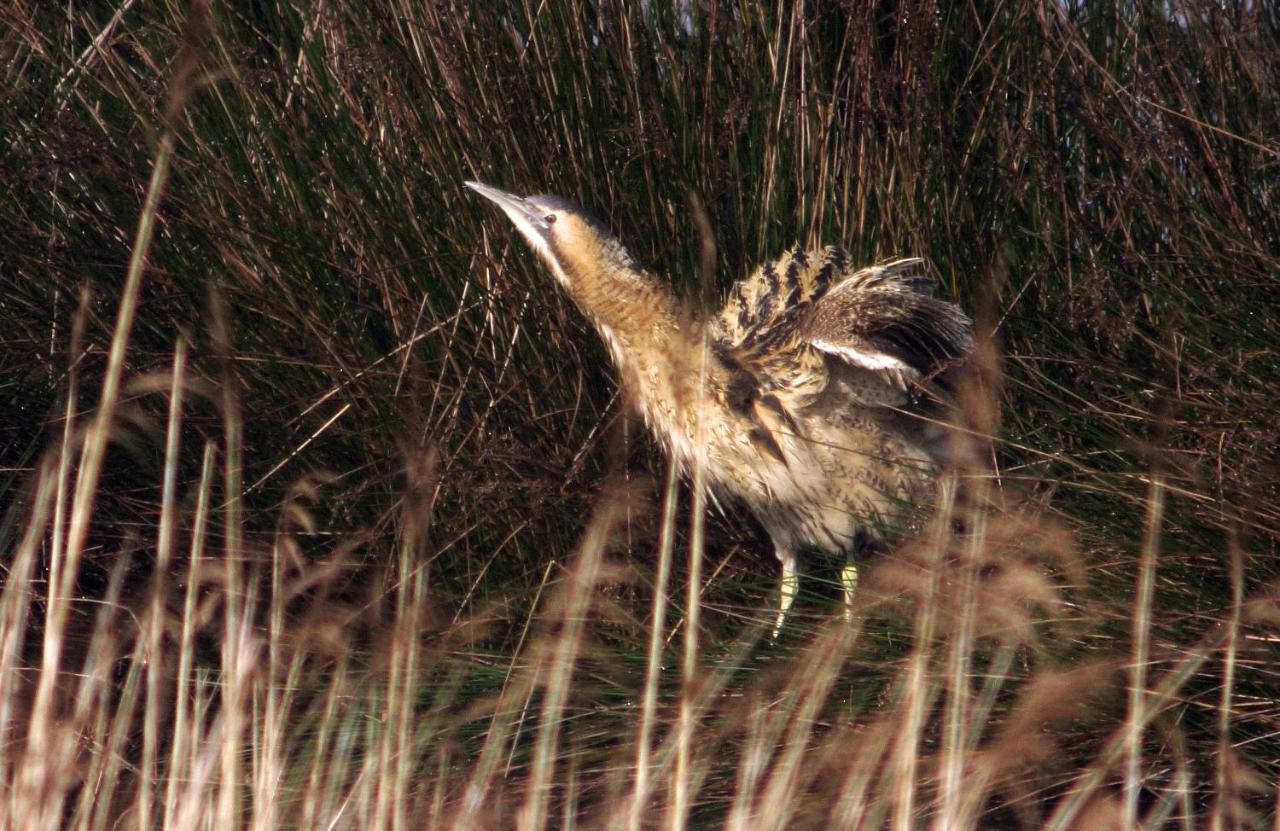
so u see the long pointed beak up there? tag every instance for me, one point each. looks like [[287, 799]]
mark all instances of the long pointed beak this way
[[527, 217]]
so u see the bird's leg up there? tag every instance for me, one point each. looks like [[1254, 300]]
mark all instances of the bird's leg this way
[[862, 541], [849, 582], [787, 588]]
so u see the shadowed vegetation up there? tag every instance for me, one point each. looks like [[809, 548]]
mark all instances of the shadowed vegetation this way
[[352, 528]]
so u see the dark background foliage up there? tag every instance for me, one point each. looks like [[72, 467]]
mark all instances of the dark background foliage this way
[[1097, 181]]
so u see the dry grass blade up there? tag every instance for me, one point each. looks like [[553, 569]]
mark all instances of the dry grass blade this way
[[683, 785], [575, 603], [1137, 717], [649, 705]]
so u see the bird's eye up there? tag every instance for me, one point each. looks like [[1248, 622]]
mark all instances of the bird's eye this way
[[550, 218]]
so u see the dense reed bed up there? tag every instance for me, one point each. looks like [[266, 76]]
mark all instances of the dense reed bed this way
[[321, 508]]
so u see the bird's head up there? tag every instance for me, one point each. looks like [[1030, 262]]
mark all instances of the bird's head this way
[[571, 242]]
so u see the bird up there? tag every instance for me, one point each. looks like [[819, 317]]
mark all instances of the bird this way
[[816, 397]]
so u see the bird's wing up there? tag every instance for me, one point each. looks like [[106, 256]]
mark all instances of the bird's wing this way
[[772, 297], [772, 374], [757, 332], [779, 326], [885, 319]]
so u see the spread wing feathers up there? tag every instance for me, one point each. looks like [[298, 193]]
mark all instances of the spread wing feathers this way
[[757, 331], [774, 294], [779, 326], [886, 319]]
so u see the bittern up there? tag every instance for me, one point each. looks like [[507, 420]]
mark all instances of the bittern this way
[[814, 397]]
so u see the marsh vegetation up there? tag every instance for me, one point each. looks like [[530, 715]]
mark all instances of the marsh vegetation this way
[[321, 508]]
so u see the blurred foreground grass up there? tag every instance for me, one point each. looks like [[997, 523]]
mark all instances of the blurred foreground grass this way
[[375, 543]]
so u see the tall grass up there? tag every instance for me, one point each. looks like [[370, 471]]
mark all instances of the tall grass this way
[[321, 509]]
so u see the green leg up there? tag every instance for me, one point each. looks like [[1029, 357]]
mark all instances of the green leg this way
[[849, 582], [787, 588]]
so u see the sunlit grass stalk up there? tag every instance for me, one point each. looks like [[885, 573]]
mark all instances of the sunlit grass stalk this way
[[852, 807], [1117, 748], [975, 780], [917, 689], [187, 725], [236, 607], [711, 691], [107, 707], [959, 702], [268, 757], [682, 786], [574, 603], [15, 606], [1175, 797], [155, 622], [322, 775], [1137, 717], [65, 455], [764, 740], [37, 771], [819, 671], [653, 665], [518, 685], [1227, 788], [405, 760], [396, 747], [241, 675], [753, 761]]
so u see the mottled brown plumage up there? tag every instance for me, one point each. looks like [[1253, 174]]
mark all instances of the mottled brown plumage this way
[[815, 397]]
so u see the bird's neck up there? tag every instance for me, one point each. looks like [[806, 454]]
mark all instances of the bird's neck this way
[[638, 318], [657, 347]]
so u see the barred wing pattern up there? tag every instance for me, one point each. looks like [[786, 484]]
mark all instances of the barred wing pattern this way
[[779, 325]]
